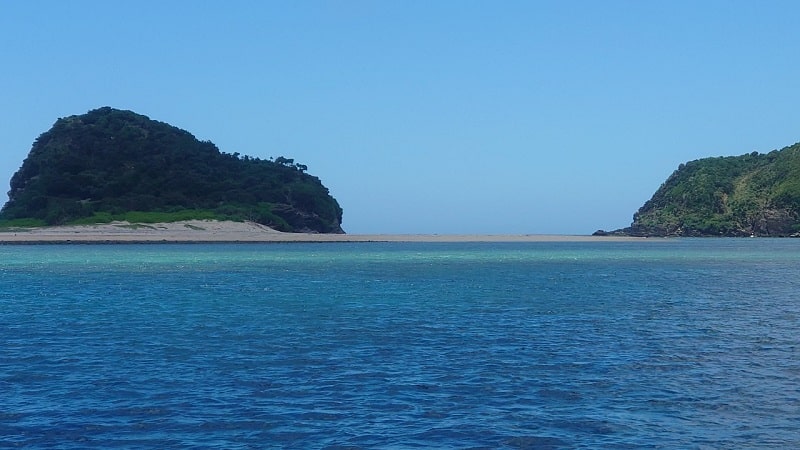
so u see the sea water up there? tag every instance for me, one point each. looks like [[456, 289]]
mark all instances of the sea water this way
[[660, 343]]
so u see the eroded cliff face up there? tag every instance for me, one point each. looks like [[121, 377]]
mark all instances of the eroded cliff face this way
[[776, 222], [748, 195], [770, 223]]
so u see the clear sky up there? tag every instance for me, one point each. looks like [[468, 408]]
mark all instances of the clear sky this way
[[426, 116]]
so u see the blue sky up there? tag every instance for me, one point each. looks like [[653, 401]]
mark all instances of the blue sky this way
[[426, 116]]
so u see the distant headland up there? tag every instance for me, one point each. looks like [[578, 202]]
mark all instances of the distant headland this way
[[749, 195], [114, 165]]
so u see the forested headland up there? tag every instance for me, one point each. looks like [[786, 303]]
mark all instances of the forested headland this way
[[754, 194], [111, 164]]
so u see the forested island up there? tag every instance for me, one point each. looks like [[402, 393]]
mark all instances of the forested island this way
[[111, 164], [749, 195]]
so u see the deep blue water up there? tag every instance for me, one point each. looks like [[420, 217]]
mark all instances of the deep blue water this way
[[662, 343]]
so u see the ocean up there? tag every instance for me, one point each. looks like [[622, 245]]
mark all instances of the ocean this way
[[662, 343]]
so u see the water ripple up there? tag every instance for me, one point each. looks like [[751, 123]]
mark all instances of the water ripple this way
[[683, 345]]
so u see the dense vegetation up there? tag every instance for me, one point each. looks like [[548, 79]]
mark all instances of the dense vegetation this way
[[110, 164], [749, 195]]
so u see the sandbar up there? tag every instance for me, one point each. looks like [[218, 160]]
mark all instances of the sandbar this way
[[207, 231]]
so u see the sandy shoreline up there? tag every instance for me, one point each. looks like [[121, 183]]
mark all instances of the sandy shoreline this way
[[202, 231]]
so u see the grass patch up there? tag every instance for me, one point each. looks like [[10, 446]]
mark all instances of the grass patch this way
[[146, 217], [165, 217], [100, 217], [18, 224]]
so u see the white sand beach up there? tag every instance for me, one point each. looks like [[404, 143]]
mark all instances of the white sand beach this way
[[226, 231]]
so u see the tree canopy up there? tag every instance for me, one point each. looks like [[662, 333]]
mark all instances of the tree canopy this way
[[109, 161]]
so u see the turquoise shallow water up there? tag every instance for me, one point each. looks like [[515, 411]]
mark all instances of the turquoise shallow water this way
[[673, 343]]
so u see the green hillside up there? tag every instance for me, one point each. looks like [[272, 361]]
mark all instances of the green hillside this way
[[749, 195], [110, 164]]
